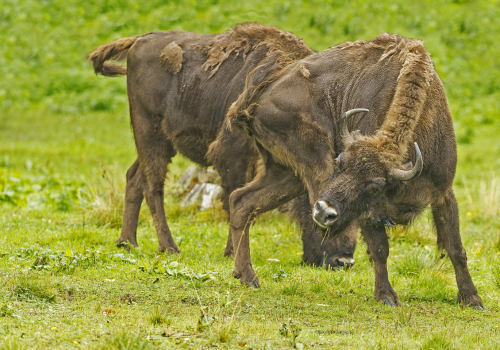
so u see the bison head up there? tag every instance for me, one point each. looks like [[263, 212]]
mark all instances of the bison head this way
[[362, 182]]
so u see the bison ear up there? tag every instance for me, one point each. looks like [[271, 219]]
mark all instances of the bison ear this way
[[408, 166], [356, 135]]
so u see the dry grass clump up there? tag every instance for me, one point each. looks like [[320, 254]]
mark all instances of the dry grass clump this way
[[103, 204], [484, 198]]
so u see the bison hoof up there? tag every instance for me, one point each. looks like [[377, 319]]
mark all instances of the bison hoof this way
[[121, 243], [253, 284], [249, 279], [390, 302], [387, 297], [473, 301], [170, 250]]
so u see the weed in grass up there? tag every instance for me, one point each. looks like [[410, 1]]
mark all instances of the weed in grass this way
[[412, 263], [104, 206], [281, 274], [483, 198], [290, 329], [419, 232], [404, 315], [437, 342], [11, 343], [204, 321], [432, 285], [6, 310], [317, 288], [293, 289], [352, 304], [129, 298], [125, 341], [32, 288], [38, 192], [495, 272], [219, 319], [158, 316]]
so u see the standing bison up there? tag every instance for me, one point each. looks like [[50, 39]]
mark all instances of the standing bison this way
[[180, 86], [291, 106]]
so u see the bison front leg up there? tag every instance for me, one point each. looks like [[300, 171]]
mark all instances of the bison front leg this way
[[445, 215], [133, 201], [378, 249], [273, 187]]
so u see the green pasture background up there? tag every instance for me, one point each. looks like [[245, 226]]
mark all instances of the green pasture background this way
[[65, 144]]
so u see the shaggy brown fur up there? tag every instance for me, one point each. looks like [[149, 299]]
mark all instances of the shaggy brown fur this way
[[247, 37], [293, 118], [417, 71], [289, 101], [180, 86]]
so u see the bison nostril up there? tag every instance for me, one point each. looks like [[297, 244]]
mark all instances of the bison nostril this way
[[324, 215], [331, 216]]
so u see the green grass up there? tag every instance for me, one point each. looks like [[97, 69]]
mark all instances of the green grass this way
[[65, 144]]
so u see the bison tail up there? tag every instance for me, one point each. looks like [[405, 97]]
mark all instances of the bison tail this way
[[116, 50]]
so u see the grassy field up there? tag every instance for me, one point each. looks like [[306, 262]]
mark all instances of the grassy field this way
[[65, 144]]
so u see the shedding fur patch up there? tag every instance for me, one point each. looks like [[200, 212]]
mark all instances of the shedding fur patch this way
[[171, 57], [305, 72], [246, 37]]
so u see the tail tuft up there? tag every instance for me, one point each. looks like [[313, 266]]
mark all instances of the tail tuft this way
[[105, 52]]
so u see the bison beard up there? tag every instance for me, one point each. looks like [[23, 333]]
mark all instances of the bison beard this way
[[290, 105], [180, 87]]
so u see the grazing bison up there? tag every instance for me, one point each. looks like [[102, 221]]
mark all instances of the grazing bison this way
[[180, 86], [291, 106], [293, 116]]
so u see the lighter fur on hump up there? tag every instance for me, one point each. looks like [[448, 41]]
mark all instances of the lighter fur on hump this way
[[246, 37], [415, 76]]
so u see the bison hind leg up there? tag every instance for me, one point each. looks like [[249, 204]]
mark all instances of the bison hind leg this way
[[155, 152], [133, 200], [445, 215]]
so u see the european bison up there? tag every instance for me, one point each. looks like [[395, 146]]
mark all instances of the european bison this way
[[180, 86], [293, 116], [291, 106]]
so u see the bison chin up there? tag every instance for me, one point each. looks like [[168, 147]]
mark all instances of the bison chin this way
[[338, 262]]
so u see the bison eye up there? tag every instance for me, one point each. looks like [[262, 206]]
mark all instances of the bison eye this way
[[374, 190], [375, 186]]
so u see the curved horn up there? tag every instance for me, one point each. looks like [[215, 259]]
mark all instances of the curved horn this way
[[407, 175], [344, 133]]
